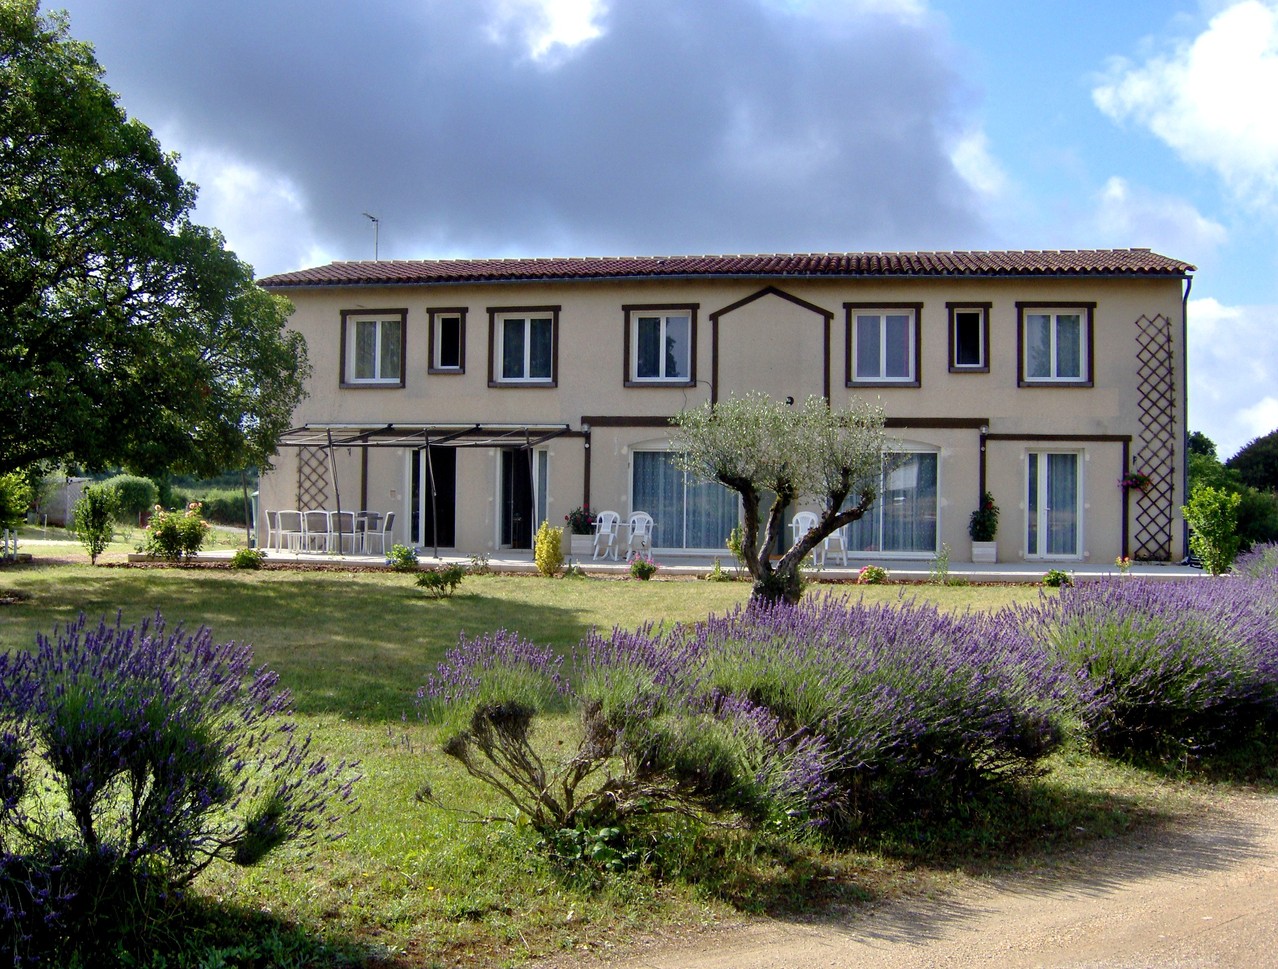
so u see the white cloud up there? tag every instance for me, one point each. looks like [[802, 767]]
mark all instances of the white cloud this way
[[1233, 368], [1212, 99], [977, 165], [264, 216], [1131, 215], [548, 28]]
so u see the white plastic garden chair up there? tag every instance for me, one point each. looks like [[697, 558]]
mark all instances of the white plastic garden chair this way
[[314, 530], [341, 532], [381, 537], [288, 530], [802, 523], [639, 534], [607, 524]]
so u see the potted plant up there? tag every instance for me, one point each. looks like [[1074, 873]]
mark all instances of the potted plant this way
[[1135, 481], [983, 527], [580, 524]]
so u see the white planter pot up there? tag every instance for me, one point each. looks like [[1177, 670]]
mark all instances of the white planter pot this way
[[985, 552], [581, 546]]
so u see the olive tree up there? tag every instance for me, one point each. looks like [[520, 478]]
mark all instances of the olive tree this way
[[762, 449]]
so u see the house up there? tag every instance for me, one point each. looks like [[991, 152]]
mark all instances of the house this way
[[476, 398]]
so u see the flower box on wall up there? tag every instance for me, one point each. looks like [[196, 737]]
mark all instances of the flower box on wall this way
[[986, 552]]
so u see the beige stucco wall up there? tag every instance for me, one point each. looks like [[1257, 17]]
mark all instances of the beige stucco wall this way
[[772, 343]]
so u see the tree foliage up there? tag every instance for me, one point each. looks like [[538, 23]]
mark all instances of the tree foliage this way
[[131, 336], [1257, 462], [1257, 510], [764, 449]]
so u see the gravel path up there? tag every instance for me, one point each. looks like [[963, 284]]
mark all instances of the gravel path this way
[[1205, 895]]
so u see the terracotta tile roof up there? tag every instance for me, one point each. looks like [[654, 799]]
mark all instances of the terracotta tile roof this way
[[1072, 262]]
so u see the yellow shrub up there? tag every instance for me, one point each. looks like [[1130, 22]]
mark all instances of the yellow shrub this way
[[548, 551]]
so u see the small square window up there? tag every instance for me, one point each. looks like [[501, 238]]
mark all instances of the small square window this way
[[969, 337], [373, 347], [883, 345], [447, 341], [659, 344], [525, 346]]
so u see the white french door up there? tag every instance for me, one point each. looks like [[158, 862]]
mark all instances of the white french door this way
[[1054, 505]]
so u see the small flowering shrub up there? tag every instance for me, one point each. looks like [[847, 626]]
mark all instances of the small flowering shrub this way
[[548, 552], [151, 752], [580, 521], [643, 566], [174, 535], [871, 575], [1167, 669], [402, 558], [442, 582]]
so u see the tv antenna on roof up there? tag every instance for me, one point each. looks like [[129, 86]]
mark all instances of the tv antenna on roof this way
[[377, 225]]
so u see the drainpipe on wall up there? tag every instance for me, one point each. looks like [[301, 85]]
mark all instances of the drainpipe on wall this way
[[1184, 397]]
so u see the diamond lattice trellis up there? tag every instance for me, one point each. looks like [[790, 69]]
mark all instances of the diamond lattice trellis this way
[[312, 478], [1155, 452]]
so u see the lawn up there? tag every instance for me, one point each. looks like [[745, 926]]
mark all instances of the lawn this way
[[413, 884]]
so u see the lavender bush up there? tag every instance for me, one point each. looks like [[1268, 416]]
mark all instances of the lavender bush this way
[[825, 714], [914, 708], [1167, 669], [1260, 562], [152, 752]]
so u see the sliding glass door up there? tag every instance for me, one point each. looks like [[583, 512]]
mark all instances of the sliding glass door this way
[[686, 511]]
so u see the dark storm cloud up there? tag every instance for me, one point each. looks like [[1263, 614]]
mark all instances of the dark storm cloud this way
[[688, 126]]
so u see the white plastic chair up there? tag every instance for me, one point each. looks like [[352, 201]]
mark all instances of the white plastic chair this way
[[840, 537], [288, 530], [341, 531], [314, 530], [802, 523], [640, 534], [607, 524], [381, 537]]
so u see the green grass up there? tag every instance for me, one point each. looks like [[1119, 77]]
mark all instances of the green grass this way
[[412, 884]]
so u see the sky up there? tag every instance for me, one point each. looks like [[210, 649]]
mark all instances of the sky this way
[[488, 128]]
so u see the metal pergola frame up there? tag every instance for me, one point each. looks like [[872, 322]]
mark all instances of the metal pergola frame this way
[[417, 436]]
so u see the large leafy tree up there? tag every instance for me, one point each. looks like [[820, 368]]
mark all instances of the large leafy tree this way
[[1257, 462], [766, 450], [130, 335]]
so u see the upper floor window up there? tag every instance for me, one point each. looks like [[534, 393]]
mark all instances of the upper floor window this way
[[373, 347], [1056, 343], [659, 344], [524, 344], [969, 337], [883, 344], [447, 341]]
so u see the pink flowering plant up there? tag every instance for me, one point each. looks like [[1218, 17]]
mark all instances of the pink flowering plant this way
[[176, 535], [1135, 481], [580, 521]]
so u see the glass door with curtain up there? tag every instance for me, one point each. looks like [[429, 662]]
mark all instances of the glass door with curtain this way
[[687, 513], [1053, 503], [903, 519]]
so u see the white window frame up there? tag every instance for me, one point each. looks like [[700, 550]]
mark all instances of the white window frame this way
[[982, 312], [855, 313], [1054, 313], [498, 318], [351, 322], [437, 320], [1040, 457], [663, 313]]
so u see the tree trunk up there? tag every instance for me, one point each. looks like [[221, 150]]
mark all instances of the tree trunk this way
[[773, 587]]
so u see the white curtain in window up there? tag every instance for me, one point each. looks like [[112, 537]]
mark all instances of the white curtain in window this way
[[904, 516], [686, 512]]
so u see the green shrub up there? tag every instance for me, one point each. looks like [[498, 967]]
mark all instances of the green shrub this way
[[15, 498], [548, 550], [248, 558], [136, 495], [222, 505], [872, 575], [402, 558], [443, 581], [1055, 578], [643, 567], [176, 535], [94, 521], [1212, 515]]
